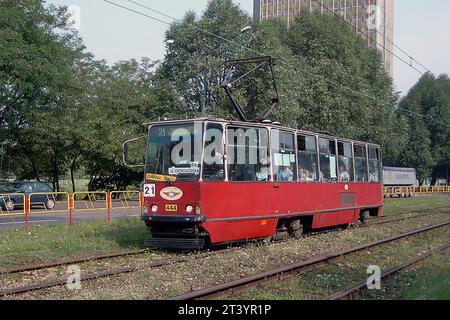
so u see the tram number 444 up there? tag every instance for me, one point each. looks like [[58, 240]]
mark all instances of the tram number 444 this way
[[149, 190]]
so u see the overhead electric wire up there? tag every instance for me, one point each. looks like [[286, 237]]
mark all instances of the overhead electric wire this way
[[384, 36], [293, 67], [137, 12], [374, 40]]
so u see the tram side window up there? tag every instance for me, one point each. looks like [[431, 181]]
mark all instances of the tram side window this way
[[345, 162], [328, 161], [248, 154], [374, 165], [360, 164], [307, 159], [284, 159], [213, 158]]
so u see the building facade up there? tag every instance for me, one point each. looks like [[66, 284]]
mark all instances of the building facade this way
[[372, 17]]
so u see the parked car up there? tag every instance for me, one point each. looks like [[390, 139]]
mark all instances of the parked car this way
[[12, 194]]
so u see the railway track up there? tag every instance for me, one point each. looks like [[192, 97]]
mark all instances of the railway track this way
[[35, 267], [347, 293], [369, 224], [243, 284], [101, 274], [408, 218], [413, 211], [129, 269]]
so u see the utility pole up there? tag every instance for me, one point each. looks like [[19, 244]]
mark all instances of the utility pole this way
[[1, 163], [9, 164], [2, 173]]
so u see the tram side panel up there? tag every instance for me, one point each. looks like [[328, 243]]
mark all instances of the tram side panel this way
[[239, 211], [228, 208]]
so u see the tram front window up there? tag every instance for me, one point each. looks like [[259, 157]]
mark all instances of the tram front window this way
[[174, 152]]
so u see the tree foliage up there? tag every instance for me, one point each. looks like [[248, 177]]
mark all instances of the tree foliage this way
[[328, 79], [426, 109], [62, 112]]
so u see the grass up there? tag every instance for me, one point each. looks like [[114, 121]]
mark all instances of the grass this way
[[47, 243], [428, 281], [431, 280], [397, 205], [81, 185], [169, 281]]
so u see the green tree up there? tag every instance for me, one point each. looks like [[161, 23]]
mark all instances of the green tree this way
[[125, 98], [193, 63], [427, 109], [65, 111], [328, 79], [38, 50], [344, 88]]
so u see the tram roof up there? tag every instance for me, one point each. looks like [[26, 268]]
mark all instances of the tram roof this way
[[256, 124]]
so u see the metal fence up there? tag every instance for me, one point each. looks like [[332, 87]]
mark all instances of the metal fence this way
[[46, 203], [70, 205], [405, 192], [11, 203], [125, 199]]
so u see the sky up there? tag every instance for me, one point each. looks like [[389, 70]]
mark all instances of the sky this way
[[420, 28]]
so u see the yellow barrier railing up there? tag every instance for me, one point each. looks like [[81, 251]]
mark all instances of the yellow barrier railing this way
[[15, 204], [125, 199], [48, 202], [91, 201], [9, 204], [414, 190]]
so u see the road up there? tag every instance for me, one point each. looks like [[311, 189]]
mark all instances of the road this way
[[61, 216]]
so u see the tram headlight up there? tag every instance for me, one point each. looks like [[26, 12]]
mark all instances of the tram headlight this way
[[154, 208], [198, 210], [189, 208]]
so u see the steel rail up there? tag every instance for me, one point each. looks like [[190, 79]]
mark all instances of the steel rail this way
[[346, 293], [239, 285], [407, 218], [96, 275], [362, 225], [34, 267], [401, 213]]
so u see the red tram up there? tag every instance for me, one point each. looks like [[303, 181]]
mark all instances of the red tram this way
[[232, 181]]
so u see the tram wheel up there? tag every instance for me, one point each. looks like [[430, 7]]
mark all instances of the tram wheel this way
[[296, 229], [364, 217], [279, 236]]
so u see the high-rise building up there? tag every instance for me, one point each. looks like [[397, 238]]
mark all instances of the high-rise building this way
[[372, 17]]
